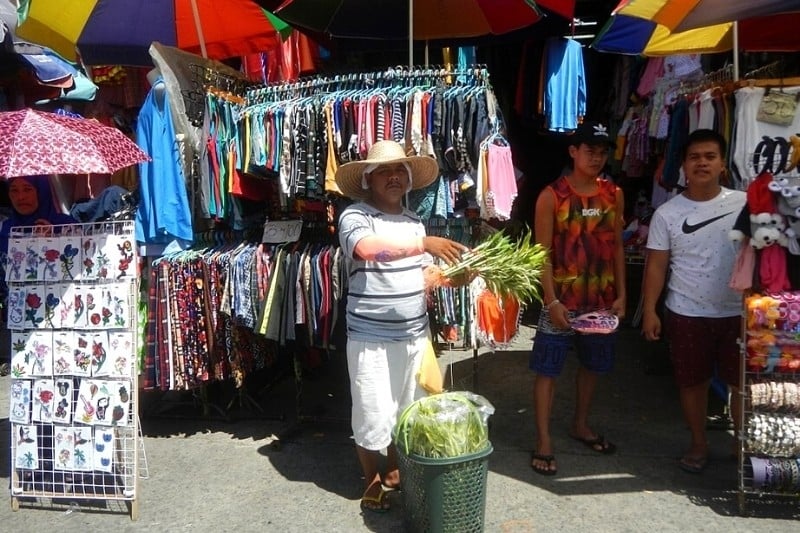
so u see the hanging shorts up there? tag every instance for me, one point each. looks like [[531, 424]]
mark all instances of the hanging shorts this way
[[383, 382], [551, 346], [698, 345]]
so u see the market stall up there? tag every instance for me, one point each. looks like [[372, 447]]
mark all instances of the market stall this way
[[72, 291]]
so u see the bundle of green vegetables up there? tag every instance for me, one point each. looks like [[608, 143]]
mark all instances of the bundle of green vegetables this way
[[444, 425], [508, 268]]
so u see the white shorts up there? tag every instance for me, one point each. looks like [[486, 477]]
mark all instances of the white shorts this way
[[383, 382]]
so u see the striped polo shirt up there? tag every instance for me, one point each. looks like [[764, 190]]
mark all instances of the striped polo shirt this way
[[386, 300]]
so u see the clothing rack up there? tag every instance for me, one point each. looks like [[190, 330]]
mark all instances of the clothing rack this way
[[201, 80], [715, 78], [770, 70], [770, 82], [290, 132], [479, 75]]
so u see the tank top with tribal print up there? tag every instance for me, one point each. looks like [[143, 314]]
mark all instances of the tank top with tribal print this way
[[583, 246]]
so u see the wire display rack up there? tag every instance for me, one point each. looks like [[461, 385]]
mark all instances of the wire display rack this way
[[72, 315], [769, 459]]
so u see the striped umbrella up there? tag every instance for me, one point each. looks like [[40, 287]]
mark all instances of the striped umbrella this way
[[119, 32]]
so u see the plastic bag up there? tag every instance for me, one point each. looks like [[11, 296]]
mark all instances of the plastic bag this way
[[450, 424]]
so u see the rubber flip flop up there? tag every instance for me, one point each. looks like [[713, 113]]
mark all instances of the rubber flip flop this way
[[375, 504], [598, 444], [545, 471], [693, 465]]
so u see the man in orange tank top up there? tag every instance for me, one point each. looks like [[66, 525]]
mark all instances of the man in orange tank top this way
[[579, 219]]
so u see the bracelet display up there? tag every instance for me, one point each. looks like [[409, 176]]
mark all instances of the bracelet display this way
[[775, 396], [776, 475], [773, 435]]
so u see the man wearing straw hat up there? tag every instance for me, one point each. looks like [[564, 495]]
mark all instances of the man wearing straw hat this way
[[387, 322]]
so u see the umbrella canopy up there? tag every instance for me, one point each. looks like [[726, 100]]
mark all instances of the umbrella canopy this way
[[120, 32], [42, 73], [663, 27], [35, 142], [624, 34], [433, 19], [691, 14]]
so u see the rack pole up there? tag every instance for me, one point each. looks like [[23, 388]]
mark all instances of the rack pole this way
[[410, 34], [735, 51]]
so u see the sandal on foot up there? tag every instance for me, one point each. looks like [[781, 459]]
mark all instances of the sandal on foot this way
[[598, 444], [693, 465], [549, 470], [375, 504]]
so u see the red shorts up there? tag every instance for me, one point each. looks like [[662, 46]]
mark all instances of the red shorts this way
[[699, 345]]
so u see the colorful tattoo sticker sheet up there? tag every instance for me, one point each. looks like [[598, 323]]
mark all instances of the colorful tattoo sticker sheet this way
[[81, 354], [34, 307], [16, 307], [63, 401], [50, 263], [119, 355], [104, 403], [63, 360], [16, 260], [27, 450], [103, 449], [63, 448], [43, 396], [19, 405], [69, 258], [83, 454]]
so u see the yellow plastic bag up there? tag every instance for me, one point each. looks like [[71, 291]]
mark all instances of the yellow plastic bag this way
[[430, 375]]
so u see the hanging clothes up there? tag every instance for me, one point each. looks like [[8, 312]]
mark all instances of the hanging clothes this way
[[163, 214], [565, 86], [220, 312]]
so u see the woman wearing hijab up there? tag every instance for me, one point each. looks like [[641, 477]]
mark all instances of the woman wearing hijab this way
[[31, 205]]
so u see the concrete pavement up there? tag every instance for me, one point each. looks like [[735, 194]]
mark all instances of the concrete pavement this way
[[263, 473]]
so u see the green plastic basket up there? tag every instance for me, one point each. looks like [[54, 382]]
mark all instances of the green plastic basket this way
[[444, 495]]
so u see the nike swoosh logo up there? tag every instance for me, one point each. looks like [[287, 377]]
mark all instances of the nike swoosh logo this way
[[691, 228]]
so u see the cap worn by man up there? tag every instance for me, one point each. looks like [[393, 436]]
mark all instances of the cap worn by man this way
[[592, 133]]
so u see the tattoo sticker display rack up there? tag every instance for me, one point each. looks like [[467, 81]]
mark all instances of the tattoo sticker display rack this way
[[73, 396]]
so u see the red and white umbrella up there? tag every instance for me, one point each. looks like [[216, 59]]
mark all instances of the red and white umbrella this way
[[35, 142]]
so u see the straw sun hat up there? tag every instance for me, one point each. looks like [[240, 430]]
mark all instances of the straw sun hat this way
[[349, 176]]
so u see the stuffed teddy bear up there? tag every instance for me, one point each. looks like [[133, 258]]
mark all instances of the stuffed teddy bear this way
[[765, 226], [767, 229]]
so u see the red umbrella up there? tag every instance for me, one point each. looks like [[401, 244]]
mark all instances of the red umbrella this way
[[35, 142], [432, 19]]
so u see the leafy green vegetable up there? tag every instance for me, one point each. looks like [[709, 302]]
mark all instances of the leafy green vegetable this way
[[508, 268], [444, 425]]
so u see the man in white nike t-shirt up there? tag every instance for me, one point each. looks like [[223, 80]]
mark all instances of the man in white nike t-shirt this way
[[688, 238]]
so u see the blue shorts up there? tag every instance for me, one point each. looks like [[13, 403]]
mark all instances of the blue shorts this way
[[550, 348]]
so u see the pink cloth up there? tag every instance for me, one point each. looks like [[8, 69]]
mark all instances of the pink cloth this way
[[652, 72], [772, 270], [744, 268], [501, 182]]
